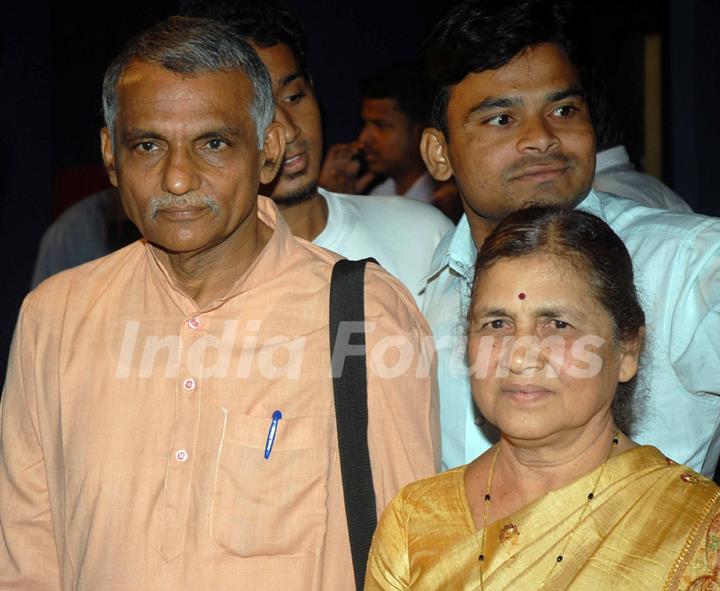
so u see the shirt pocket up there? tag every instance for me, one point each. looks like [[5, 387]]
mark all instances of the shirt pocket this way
[[276, 506]]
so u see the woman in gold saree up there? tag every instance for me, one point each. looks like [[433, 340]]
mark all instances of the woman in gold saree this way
[[564, 500]]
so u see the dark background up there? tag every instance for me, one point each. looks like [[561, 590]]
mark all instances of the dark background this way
[[52, 57]]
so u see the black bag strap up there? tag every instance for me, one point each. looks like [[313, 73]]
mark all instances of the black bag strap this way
[[349, 370]]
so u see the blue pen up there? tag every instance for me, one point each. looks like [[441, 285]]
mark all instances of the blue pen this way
[[277, 415]]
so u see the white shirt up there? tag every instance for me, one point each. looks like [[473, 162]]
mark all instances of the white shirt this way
[[421, 190], [614, 173], [398, 233]]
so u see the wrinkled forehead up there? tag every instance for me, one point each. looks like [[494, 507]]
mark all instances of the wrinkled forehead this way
[[143, 86], [143, 74]]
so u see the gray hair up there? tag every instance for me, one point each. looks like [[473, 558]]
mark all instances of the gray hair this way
[[193, 46]]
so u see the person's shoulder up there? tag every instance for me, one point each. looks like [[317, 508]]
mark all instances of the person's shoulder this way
[[690, 517], [640, 187], [437, 484], [87, 211], [388, 299], [686, 479], [679, 482], [392, 210], [82, 219], [631, 215], [313, 254], [437, 490], [87, 279], [659, 230], [693, 503], [381, 284]]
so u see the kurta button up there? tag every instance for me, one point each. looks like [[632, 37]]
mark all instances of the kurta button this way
[[181, 455], [189, 384], [193, 323]]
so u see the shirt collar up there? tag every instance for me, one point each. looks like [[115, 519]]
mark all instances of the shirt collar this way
[[611, 158], [457, 251], [592, 204], [422, 189]]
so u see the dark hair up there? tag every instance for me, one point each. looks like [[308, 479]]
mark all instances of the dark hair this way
[[266, 23], [479, 35], [596, 252], [193, 46], [607, 130], [404, 83]]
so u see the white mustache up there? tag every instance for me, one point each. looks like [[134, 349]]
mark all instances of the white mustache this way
[[168, 201]]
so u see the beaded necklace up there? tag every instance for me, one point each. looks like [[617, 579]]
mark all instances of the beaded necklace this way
[[559, 558]]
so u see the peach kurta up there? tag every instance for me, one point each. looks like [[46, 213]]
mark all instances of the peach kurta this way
[[134, 426]]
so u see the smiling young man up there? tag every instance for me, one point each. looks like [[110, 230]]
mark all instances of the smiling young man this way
[[400, 234], [168, 417], [511, 125]]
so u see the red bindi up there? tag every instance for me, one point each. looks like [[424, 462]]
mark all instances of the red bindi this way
[[521, 295]]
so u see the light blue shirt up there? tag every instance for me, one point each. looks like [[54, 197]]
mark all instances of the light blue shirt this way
[[676, 259]]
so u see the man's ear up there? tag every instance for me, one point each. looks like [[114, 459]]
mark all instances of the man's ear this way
[[272, 153], [433, 148], [106, 147]]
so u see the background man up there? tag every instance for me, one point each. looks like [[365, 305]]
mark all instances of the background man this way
[[93, 227], [614, 173], [400, 234], [394, 113], [134, 448], [511, 125]]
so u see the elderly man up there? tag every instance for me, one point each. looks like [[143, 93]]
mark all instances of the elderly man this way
[[511, 124], [400, 235], [168, 418]]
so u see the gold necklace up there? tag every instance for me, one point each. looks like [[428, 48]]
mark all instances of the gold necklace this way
[[559, 558]]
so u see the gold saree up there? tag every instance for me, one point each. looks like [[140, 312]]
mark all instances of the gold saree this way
[[652, 525]]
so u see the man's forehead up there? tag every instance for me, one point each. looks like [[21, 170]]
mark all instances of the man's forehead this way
[[379, 107], [151, 96], [539, 71], [145, 76], [280, 62]]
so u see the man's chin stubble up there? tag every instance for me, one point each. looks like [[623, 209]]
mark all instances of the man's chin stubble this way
[[299, 195]]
